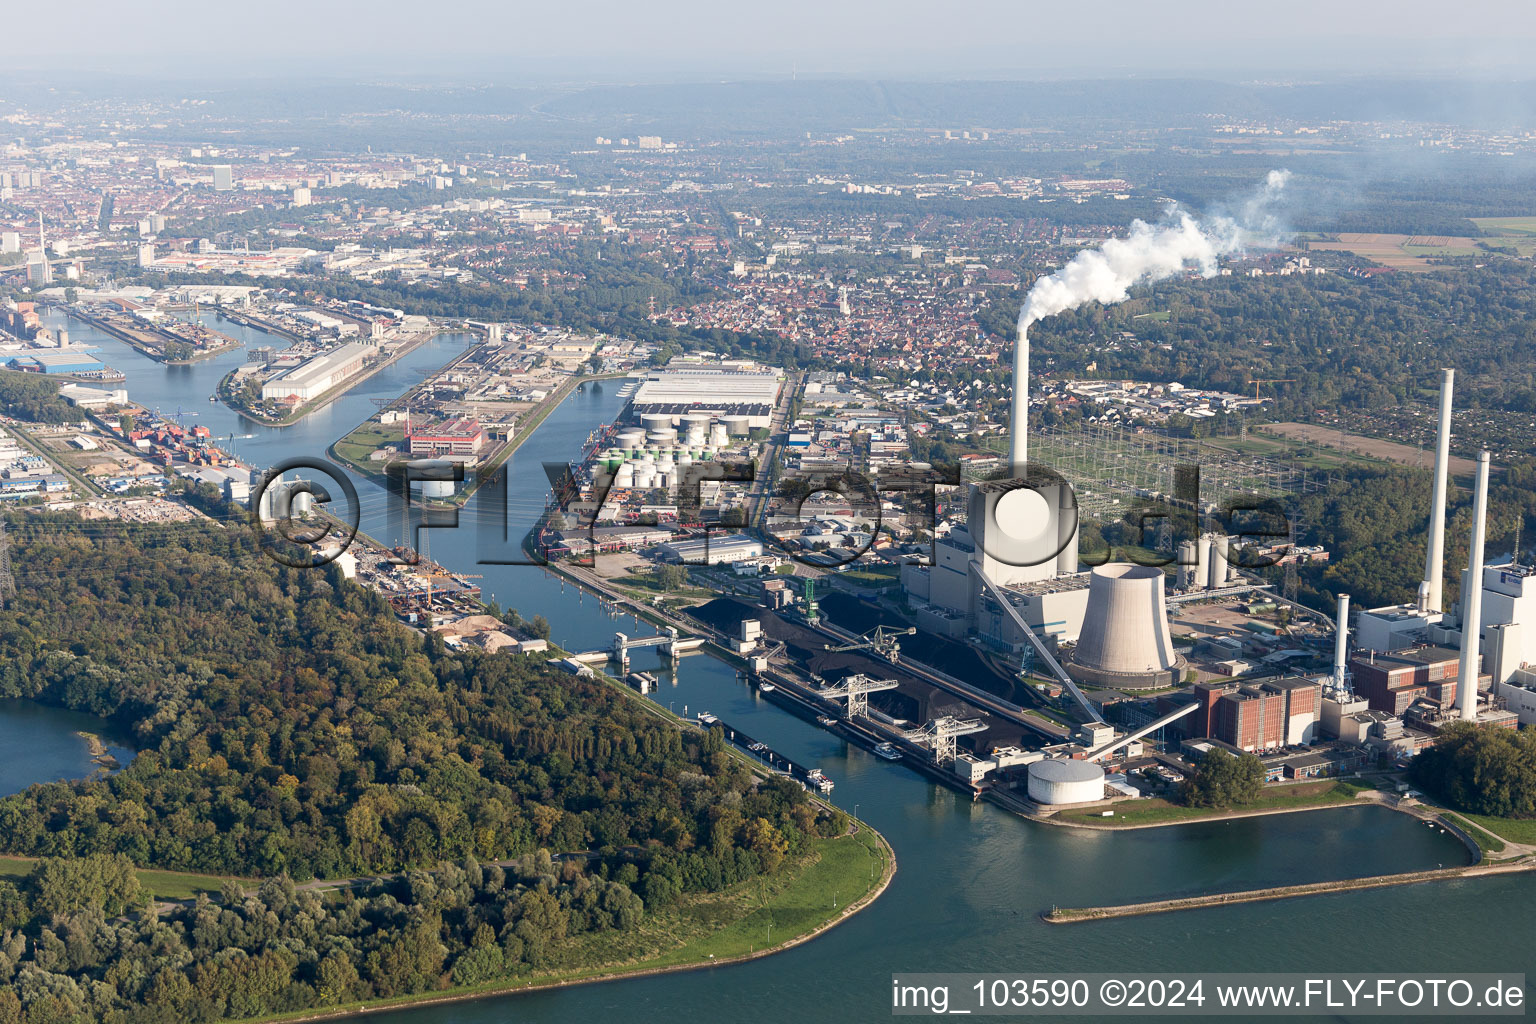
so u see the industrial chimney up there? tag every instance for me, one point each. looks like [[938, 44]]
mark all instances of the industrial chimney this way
[[1472, 600], [1341, 644], [1434, 558], [1018, 423]]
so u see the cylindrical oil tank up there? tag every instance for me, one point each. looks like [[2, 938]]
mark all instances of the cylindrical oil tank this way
[[624, 476], [738, 425], [645, 478], [656, 420], [1061, 780], [633, 437], [719, 436], [437, 488], [1202, 561], [661, 437]]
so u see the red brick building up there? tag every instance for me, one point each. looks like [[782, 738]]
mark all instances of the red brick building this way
[[1393, 680], [1261, 715]]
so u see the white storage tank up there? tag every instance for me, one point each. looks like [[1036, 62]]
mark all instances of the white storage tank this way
[[662, 437], [1061, 780], [624, 476], [718, 436], [631, 438], [1219, 570]]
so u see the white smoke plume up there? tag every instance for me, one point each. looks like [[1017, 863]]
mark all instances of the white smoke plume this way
[[1149, 253], [1155, 252]]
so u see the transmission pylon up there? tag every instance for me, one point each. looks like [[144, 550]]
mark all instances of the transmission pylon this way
[[7, 577]]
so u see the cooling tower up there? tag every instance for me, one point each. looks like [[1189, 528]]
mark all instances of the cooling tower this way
[[1125, 642]]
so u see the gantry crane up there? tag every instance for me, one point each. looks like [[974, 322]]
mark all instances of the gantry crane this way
[[881, 640], [940, 734], [856, 689]]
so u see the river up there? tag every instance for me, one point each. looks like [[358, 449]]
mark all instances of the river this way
[[972, 878]]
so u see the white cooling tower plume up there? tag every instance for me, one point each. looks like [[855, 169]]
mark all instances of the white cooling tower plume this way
[[1472, 600], [1434, 558], [1107, 274], [1341, 642]]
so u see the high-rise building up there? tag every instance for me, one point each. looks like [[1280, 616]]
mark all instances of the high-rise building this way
[[146, 255], [301, 197], [223, 177], [10, 241]]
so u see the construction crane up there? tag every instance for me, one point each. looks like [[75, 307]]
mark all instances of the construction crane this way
[[1277, 380], [230, 437], [881, 640]]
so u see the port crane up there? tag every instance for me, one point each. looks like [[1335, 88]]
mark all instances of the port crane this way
[[231, 437], [881, 640], [856, 689], [940, 735]]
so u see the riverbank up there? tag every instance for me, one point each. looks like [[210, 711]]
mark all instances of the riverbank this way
[[325, 399], [797, 905], [1157, 813], [146, 348]]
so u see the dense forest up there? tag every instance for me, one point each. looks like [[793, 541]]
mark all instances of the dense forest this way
[[1340, 341], [1484, 771], [28, 396], [288, 726]]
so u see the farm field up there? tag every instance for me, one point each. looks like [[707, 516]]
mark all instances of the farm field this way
[[1519, 232], [1400, 252], [1390, 451]]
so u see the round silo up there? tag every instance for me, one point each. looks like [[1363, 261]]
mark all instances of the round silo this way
[[1219, 568]]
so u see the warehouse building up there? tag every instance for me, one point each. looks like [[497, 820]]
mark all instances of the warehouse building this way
[[456, 437], [711, 550], [313, 378], [725, 390], [73, 361]]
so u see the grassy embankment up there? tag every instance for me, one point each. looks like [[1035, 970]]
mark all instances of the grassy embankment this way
[[1486, 842], [1301, 796], [164, 885]]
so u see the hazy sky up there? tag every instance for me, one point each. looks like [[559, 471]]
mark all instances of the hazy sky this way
[[665, 39]]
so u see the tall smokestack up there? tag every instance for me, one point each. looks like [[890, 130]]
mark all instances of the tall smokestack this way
[[1434, 558], [1472, 600], [1341, 643], [1018, 422]]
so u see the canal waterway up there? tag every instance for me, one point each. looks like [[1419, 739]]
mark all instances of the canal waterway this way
[[972, 878]]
